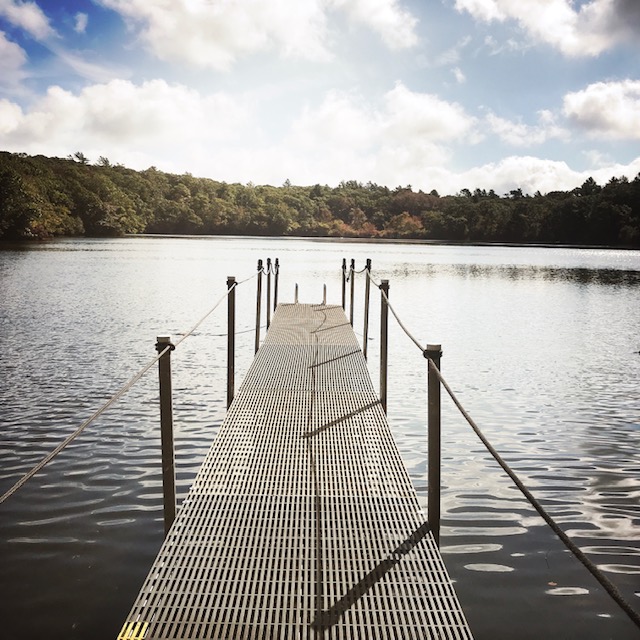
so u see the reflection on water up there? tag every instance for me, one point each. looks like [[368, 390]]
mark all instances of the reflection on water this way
[[532, 272], [567, 591], [541, 345]]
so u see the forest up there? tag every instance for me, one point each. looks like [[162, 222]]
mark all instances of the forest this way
[[43, 197]]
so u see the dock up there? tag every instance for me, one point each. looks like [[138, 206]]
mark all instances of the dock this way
[[302, 522]]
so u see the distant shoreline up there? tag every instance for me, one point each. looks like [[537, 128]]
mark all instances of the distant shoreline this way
[[337, 239]]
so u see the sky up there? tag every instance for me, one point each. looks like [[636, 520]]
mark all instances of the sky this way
[[435, 94]]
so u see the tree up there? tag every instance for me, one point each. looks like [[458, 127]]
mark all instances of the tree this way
[[80, 157], [404, 225], [42, 197]]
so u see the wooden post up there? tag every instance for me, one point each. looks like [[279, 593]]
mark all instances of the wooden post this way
[[268, 292], [231, 339], [166, 431], [275, 285], [434, 353], [353, 280], [384, 331], [367, 288], [258, 305], [344, 283]]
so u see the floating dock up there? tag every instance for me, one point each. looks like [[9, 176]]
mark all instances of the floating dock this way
[[302, 522]]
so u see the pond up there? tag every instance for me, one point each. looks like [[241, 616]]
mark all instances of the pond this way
[[542, 346]]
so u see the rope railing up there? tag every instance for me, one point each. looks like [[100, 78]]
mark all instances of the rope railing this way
[[432, 353], [49, 457], [116, 396], [396, 316], [609, 587]]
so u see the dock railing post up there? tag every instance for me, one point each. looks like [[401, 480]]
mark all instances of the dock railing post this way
[[275, 284], [344, 283], [433, 353], [258, 305], [268, 292], [384, 332], [353, 281], [367, 288], [231, 339], [166, 431]]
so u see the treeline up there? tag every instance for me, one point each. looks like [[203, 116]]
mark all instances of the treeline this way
[[43, 197]]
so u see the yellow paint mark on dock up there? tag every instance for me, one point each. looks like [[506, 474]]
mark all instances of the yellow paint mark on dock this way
[[133, 631]]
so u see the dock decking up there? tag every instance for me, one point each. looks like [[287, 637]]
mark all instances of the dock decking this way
[[302, 522]]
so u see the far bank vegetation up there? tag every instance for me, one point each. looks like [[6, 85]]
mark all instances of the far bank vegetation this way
[[43, 197]]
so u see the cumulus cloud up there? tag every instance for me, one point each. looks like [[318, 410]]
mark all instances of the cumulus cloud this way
[[12, 60], [625, 17], [519, 134], [10, 115], [82, 19], [27, 16], [529, 173], [414, 115], [395, 25], [405, 137], [452, 55], [606, 109], [584, 30], [533, 174], [496, 48], [215, 35], [391, 142], [178, 129], [459, 75], [405, 117], [134, 123]]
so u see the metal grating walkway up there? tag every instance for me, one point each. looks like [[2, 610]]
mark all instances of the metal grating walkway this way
[[302, 522]]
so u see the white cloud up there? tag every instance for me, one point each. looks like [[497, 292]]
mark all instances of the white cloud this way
[[425, 116], [404, 119], [12, 59], [597, 159], [486, 10], [395, 25], [10, 116], [137, 125], [342, 122], [529, 173], [215, 35], [453, 54], [91, 71], [519, 134], [405, 138], [82, 20], [606, 109], [510, 45], [393, 143], [459, 75], [533, 174], [27, 16], [586, 30], [179, 129]]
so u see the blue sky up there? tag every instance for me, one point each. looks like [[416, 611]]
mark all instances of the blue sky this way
[[437, 94]]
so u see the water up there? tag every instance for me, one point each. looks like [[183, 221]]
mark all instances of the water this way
[[541, 345]]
